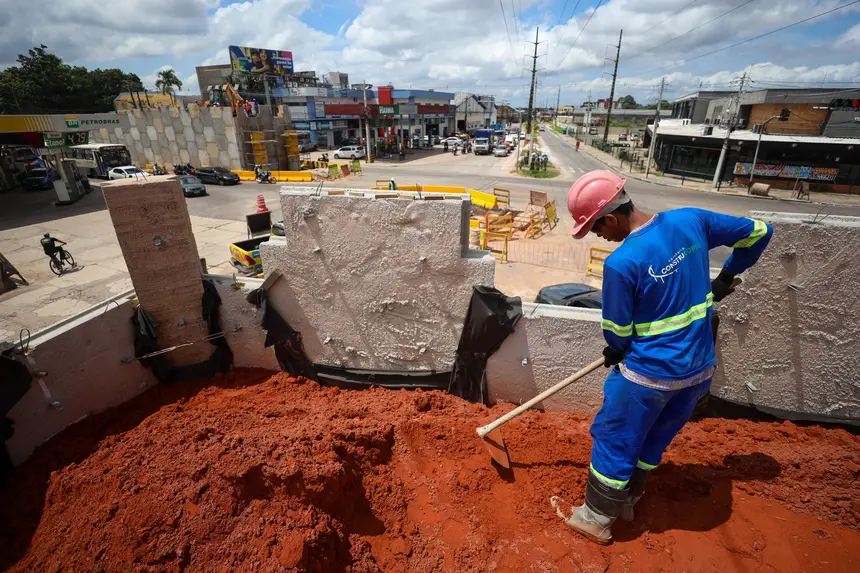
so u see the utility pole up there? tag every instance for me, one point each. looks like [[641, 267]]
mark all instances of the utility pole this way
[[612, 89], [724, 151], [530, 121], [654, 135], [557, 102], [364, 86]]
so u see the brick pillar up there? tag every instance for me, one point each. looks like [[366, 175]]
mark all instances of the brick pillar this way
[[154, 230]]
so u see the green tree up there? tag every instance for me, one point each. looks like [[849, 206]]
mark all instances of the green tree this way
[[629, 102], [42, 83], [167, 81]]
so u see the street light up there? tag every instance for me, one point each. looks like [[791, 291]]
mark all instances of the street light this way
[[783, 116]]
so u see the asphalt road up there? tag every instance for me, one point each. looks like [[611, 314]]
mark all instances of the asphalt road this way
[[485, 172]]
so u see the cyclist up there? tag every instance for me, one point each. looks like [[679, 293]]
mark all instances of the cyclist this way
[[49, 244]]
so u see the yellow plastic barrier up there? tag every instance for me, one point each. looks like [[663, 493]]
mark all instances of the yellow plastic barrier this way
[[245, 175], [481, 199], [293, 176], [444, 189]]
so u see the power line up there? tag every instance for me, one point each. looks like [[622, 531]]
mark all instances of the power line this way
[[513, 54], [566, 26], [561, 61], [516, 26], [694, 29], [561, 14], [736, 44], [678, 12]]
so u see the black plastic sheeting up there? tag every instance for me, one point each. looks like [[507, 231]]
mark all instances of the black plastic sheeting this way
[[491, 318], [146, 342], [289, 349], [15, 382]]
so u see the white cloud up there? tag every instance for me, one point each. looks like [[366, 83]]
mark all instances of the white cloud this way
[[452, 44]]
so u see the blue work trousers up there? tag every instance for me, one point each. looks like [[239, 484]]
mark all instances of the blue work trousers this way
[[635, 425]]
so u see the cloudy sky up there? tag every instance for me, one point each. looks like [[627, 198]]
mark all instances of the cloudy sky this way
[[474, 45]]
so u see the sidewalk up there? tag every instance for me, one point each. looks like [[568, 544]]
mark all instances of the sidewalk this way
[[101, 272], [833, 199]]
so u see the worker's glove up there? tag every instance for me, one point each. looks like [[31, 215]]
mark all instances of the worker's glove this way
[[722, 285], [611, 357]]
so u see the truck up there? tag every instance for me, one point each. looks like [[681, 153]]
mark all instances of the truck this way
[[483, 141]]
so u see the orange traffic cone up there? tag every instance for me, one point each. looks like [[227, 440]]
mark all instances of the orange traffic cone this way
[[261, 204]]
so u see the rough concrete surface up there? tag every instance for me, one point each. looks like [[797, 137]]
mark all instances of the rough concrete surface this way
[[549, 344], [154, 232], [84, 375], [375, 283], [796, 350]]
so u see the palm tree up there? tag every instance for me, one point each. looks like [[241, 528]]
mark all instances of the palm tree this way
[[166, 81]]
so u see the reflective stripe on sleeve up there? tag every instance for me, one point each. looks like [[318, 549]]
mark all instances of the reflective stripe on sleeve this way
[[759, 231], [677, 322], [613, 483], [617, 328]]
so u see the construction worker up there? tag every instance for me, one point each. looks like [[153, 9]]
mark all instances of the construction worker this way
[[657, 299]]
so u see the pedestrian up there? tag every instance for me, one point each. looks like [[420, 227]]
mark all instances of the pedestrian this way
[[402, 151], [657, 308], [445, 147], [255, 107]]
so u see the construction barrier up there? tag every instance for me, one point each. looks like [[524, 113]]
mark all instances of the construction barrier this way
[[356, 166], [496, 243], [334, 170], [280, 176], [482, 199], [445, 189], [596, 258], [503, 197]]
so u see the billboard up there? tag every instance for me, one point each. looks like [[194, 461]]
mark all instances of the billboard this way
[[260, 61]]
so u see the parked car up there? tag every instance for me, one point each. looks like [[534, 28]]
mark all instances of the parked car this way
[[452, 140], [349, 152], [216, 175], [126, 172], [191, 186], [622, 137], [571, 294], [592, 131], [500, 151], [40, 178], [634, 137]]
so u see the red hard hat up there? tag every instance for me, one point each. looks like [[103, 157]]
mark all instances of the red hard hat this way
[[589, 196]]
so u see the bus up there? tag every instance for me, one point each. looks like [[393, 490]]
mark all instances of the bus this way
[[98, 158]]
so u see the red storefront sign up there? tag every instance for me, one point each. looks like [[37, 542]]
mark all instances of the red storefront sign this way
[[384, 95], [344, 109]]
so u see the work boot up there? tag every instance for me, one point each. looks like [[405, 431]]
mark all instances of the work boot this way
[[636, 489], [595, 517]]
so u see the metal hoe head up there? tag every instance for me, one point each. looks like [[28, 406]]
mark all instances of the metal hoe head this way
[[495, 444]]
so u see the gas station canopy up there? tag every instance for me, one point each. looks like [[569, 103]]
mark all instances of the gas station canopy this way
[[53, 131]]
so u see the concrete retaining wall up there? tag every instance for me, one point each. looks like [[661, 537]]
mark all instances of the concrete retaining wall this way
[[241, 321], [790, 335], [84, 375], [549, 344], [169, 136], [376, 283]]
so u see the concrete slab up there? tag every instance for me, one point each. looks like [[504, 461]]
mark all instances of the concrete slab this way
[[62, 307], [84, 275]]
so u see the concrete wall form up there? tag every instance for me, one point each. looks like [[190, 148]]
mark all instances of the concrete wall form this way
[[170, 136], [84, 374], [373, 282]]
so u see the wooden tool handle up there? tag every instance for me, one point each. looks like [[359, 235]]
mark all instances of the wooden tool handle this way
[[484, 430]]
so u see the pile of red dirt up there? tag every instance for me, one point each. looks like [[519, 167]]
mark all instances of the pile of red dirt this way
[[253, 472]]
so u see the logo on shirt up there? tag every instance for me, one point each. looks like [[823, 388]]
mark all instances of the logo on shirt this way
[[673, 266]]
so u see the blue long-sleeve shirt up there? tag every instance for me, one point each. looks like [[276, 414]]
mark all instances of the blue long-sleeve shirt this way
[[657, 290]]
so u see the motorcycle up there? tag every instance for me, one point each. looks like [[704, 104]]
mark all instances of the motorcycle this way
[[186, 169], [157, 170], [265, 177]]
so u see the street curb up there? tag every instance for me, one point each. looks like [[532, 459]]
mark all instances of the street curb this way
[[628, 175]]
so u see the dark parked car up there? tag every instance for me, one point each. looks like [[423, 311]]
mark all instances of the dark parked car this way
[[217, 175], [191, 186], [571, 294], [40, 178]]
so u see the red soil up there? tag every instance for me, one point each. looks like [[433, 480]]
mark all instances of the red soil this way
[[265, 473]]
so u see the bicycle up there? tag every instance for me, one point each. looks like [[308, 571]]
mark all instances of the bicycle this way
[[62, 257]]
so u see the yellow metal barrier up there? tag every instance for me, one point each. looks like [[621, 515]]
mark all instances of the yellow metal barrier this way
[[503, 197], [551, 214], [496, 243], [482, 199], [499, 224], [596, 258]]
